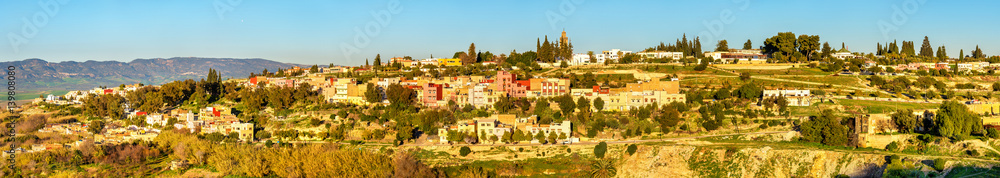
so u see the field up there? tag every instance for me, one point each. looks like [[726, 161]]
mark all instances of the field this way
[[885, 107], [836, 80], [790, 71]]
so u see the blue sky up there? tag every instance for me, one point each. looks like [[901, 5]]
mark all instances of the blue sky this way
[[317, 32]]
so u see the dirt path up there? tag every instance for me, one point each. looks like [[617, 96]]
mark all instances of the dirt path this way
[[595, 143]]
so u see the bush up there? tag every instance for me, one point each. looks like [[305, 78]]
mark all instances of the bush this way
[[762, 126], [600, 149], [992, 133], [631, 149], [569, 150], [465, 151], [894, 146], [939, 164], [973, 152]]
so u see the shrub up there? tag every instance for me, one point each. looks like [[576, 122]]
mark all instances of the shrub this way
[[569, 150], [939, 164], [631, 149], [762, 126], [894, 146], [600, 149], [992, 133], [973, 152], [465, 151]]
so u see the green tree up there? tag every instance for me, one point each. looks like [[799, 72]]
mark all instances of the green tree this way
[[373, 94], [744, 76], [566, 104], [378, 63], [750, 91], [961, 54], [464, 151], [400, 97], [96, 127], [825, 128], [583, 104], [668, 118], [826, 50], [722, 94], [631, 149], [782, 45], [722, 46], [992, 133], [808, 45], [978, 53], [599, 104], [503, 104], [748, 45], [942, 53], [603, 168], [600, 149], [469, 57], [540, 137], [905, 120], [925, 49], [593, 59], [954, 120]]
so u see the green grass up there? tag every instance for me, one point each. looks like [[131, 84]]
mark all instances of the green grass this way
[[789, 71], [973, 172], [34, 94], [885, 107], [837, 80], [682, 70]]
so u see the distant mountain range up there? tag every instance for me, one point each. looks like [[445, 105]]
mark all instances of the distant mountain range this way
[[39, 75]]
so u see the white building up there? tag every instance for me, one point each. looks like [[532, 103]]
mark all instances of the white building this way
[[843, 55], [661, 54], [794, 97], [481, 95], [52, 98], [156, 119], [611, 55], [580, 59]]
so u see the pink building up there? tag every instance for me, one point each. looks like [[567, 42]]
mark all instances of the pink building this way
[[507, 82], [284, 82], [432, 94]]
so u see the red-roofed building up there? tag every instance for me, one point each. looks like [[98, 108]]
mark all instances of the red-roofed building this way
[[599, 90], [257, 79], [108, 91]]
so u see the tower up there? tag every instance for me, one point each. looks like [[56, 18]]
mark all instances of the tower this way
[[564, 39]]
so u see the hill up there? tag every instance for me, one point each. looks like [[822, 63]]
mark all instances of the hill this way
[[35, 75]]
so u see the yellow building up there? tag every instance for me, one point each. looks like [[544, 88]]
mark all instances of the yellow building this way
[[449, 62], [985, 108]]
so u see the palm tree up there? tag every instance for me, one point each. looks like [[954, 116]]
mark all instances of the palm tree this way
[[603, 168]]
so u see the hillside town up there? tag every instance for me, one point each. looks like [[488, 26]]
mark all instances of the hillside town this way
[[368, 89]]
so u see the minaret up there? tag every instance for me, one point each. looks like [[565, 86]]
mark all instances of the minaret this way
[[563, 39]]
